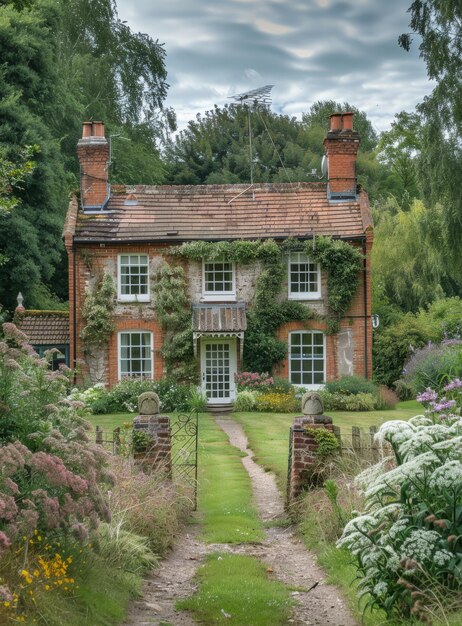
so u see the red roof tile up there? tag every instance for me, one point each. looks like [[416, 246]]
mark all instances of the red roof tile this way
[[182, 213]]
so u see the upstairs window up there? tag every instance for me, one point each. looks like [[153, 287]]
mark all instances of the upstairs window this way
[[135, 354], [218, 280], [307, 358], [304, 278], [133, 277]]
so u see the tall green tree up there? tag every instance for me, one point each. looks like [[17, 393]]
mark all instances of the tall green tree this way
[[214, 148], [439, 26], [409, 256], [64, 61]]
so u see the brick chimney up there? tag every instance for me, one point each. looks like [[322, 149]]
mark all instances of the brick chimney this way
[[341, 145], [93, 153]]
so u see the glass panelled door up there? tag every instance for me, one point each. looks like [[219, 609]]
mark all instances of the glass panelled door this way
[[218, 368]]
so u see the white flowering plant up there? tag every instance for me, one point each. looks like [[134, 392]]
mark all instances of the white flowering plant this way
[[409, 538]]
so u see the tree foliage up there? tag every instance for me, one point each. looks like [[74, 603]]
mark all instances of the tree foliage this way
[[439, 26], [214, 148], [409, 256], [64, 61]]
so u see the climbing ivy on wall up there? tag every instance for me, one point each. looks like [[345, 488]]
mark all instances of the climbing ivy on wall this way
[[97, 311], [174, 314], [341, 261]]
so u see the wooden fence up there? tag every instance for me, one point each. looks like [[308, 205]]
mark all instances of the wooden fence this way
[[110, 440], [359, 441]]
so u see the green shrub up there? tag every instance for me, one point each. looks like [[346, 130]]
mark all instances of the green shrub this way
[[245, 401], [277, 403], [391, 346], [342, 402], [351, 385], [124, 395], [173, 396]]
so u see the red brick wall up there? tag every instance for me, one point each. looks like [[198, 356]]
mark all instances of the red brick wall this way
[[92, 259]]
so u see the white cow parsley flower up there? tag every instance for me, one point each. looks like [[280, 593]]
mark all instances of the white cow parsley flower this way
[[448, 476]]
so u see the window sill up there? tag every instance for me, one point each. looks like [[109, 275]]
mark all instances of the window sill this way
[[306, 298], [224, 297], [133, 300]]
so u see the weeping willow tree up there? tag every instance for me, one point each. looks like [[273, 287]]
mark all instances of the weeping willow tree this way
[[409, 257]]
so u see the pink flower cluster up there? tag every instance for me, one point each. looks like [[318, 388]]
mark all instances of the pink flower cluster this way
[[253, 380]]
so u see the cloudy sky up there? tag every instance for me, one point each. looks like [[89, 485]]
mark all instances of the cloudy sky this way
[[345, 50]]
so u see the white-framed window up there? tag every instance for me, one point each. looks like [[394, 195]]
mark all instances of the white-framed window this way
[[304, 277], [218, 280], [136, 354], [307, 358], [133, 277]]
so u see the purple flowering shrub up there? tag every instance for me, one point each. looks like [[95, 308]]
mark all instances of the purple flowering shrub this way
[[433, 365], [253, 381], [59, 488], [32, 397], [51, 477], [407, 543]]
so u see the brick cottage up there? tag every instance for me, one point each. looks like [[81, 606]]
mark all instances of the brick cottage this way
[[126, 232]]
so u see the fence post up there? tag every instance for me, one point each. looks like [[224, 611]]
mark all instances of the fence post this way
[[99, 435], [338, 434], [356, 438], [374, 447], [116, 440]]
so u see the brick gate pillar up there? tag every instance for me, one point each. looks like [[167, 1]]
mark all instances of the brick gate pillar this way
[[152, 436], [304, 464]]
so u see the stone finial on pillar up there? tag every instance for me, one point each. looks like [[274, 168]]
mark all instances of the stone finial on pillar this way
[[304, 463], [313, 409], [152, 438], [19, 310]]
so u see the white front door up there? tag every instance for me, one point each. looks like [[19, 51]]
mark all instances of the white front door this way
[[218, 366]]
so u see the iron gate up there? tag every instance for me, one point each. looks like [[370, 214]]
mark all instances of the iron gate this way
[[185, 430]]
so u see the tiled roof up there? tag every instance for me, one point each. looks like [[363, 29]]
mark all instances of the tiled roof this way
[[219, 318], [45, 327], [211, 212]]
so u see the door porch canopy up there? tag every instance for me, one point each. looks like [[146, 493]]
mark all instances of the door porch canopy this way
[[220, 321]]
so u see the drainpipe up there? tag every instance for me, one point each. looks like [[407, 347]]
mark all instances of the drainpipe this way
[[366, 364], [74, 311]]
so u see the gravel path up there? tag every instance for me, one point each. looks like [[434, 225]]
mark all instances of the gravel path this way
[[321, 604], [318, 604]]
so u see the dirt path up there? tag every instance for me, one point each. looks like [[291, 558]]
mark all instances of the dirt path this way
[[318, 604], [283, 552]]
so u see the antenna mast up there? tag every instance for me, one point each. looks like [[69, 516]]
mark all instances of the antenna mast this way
[[262, 96]]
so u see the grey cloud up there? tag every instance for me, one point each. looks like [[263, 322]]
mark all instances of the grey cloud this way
[[212, 44]]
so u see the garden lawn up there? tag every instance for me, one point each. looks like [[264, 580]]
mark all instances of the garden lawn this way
[[234, 589], [225, 491], [268, 433]]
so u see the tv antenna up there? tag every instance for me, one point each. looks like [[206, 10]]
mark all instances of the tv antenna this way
[[254, 97]]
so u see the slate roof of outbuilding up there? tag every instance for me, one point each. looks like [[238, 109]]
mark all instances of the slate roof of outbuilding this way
[[217, 212], [45, 327]]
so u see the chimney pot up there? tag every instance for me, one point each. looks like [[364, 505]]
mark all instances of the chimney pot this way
[[347, 119], [86, 130], [336, 121], [98, 129]]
